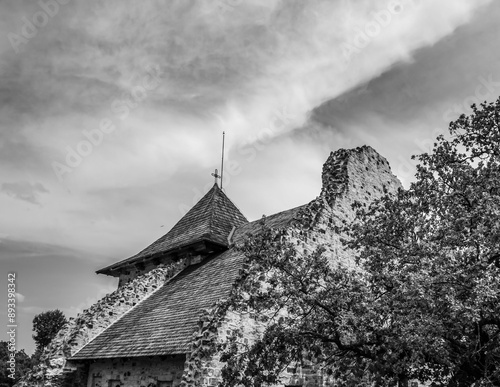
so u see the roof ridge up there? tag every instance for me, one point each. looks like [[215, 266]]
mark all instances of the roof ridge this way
[[235, 206], [212, 204]]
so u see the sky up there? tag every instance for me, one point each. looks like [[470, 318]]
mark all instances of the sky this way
[[112, 114]]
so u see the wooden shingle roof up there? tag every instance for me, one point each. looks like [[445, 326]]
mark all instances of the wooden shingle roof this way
[[163, 324], [210, 220], [278, 220]]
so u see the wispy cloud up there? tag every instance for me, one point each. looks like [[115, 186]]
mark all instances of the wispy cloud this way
[[24, 190], [240, 63], [20, 297], [32, 310], [224, 66]]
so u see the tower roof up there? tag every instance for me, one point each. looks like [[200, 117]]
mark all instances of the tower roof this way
[[211, 220]]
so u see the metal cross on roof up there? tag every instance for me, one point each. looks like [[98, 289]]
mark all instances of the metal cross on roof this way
[[216, 175]]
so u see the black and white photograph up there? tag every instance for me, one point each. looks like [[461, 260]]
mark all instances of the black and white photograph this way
[[250, 193]]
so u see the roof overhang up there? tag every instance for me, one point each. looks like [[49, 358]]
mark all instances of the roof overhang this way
[[201, 246]]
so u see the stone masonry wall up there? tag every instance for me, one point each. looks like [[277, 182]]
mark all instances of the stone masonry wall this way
[[133, 273], [203, 366], [137, 372], [53, 369], [348, 176]]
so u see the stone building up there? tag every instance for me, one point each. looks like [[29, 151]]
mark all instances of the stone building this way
[[152, 330]]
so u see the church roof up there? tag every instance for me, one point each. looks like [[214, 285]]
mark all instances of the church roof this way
[[278, 220], [211, 220], [164, 323]]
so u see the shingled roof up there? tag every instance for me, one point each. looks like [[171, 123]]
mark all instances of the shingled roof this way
[[278, 220], [163, 324], [211, 220]]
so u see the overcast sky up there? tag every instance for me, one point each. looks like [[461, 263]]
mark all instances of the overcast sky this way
[[112, 113]]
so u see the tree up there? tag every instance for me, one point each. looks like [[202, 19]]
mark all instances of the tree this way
[[46, 325], [22, 365], [425, 302]]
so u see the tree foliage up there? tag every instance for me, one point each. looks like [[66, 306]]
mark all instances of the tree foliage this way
[[46, 325], [423, 303], [22, 365]]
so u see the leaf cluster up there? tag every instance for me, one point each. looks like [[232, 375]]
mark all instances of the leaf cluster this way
[[423, 303], [23, 364], [46, 325]]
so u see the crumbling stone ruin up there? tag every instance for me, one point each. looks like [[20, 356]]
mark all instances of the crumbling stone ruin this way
[[154, 329]]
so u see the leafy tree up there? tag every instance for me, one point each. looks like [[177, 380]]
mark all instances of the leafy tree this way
[[35, 357], [46, 325], [22, 365], [425, 301]]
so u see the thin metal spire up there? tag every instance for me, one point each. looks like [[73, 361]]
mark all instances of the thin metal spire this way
[[222, 166]]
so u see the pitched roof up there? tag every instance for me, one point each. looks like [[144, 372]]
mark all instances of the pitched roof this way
[[163, 324], [278, 220], [211, 219]]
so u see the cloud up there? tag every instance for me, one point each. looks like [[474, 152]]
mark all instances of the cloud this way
[[23, 250], [32, 310], [238, 60], [225, 65], [24, 191], [20, 297]]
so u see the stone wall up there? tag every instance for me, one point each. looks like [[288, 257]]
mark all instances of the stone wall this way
[[53, 369], [348, 176], [203, 366], [151, 371], [139, 270], [359, 174], [134, 273]]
